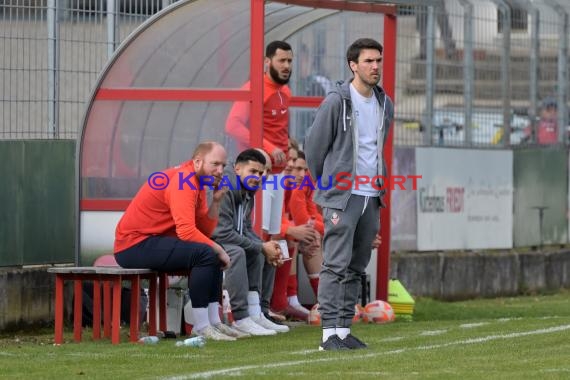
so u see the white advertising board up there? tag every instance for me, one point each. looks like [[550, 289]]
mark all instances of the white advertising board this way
[[464, 199]]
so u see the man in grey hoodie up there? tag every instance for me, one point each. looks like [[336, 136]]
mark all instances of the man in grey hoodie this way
[[344, 150], [235, 234]]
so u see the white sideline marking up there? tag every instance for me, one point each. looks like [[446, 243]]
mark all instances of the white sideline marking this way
[[471, 325], [556, 370], [433, 332], [303, 352], [392, 339], [208, 374]]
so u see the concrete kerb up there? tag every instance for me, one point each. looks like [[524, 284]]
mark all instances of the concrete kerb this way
[[463, 275]]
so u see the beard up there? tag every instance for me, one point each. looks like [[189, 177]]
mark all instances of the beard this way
[[249, 187], [275, 76], [372, 82]]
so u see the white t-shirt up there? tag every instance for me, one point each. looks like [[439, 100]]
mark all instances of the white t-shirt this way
[[366, 120]]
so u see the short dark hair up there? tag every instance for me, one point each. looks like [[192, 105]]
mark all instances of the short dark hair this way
[[251, 155], [293, 144], [549, 102], [353, 51], [271, 49], [301, 155]]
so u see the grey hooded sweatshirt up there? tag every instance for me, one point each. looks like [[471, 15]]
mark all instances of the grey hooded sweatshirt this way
[[234, 222], [331, 145]]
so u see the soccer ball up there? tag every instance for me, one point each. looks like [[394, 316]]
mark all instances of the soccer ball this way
[[314, 316], [379, 312], [359, 314]]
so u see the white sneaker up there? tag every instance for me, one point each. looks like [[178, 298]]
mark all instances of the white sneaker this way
[[210, 332], [248, 326], [267, 324], [300, 307], [227, 330]]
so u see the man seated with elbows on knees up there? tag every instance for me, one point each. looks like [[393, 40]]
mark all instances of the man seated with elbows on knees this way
[[246, 250], [167, 227]]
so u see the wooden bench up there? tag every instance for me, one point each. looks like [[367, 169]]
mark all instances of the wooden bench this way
[[112, 301]]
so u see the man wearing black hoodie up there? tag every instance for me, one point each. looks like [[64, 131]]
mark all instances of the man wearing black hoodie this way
[[246, 250]]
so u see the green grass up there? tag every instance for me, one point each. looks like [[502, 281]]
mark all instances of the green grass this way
[[507, 338]]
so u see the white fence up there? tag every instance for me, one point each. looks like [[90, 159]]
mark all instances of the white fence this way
[[484, 64]]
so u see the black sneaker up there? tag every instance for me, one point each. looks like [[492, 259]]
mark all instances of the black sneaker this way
[[353, 342], [271, 319], [333, 343]]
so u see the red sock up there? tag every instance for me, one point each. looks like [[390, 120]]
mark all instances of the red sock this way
[[314, 284], [292, 285], [279, 298]]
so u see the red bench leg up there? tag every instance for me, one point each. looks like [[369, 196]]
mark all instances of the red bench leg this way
[[116, 310], [59, 280], [107, 309], [163, 284], [152, 305], [96, 310], [77, 310], [135, 301]]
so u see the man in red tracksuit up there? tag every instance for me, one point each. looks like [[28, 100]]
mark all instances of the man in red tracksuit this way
[[304, 211], [284, 299], [276, 97]]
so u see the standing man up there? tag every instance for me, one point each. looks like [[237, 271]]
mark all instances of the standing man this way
[[167, 227], [276, 97], [348, 136], [547, 129]]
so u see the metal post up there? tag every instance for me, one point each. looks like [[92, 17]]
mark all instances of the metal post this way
[[534, 13], [562, 75], [342, 46], [505, 10], [111, 27], [562, 69], [540, 222], [389, 84], [534, 74], [166, 3], [53, 68], [468, 70], [430, 75], [257, 33]]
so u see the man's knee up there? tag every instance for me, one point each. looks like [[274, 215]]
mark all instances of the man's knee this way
[[238, 261], [206, 255], [335, 270], [235, 252]]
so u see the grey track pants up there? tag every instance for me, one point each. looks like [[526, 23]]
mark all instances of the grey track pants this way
[[347, 246], [268, 278], [242, 276]]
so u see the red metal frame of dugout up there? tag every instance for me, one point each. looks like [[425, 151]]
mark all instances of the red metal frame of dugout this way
[[255, 96]]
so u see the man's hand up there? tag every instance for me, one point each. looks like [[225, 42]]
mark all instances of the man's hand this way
[[304, 233], [272, 252], [218, 193], [377, 241], [217, 196], [310, 250], [279, 157], [222, 256]]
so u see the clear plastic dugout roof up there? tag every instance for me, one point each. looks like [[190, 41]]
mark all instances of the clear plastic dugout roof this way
[[152, 103]]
